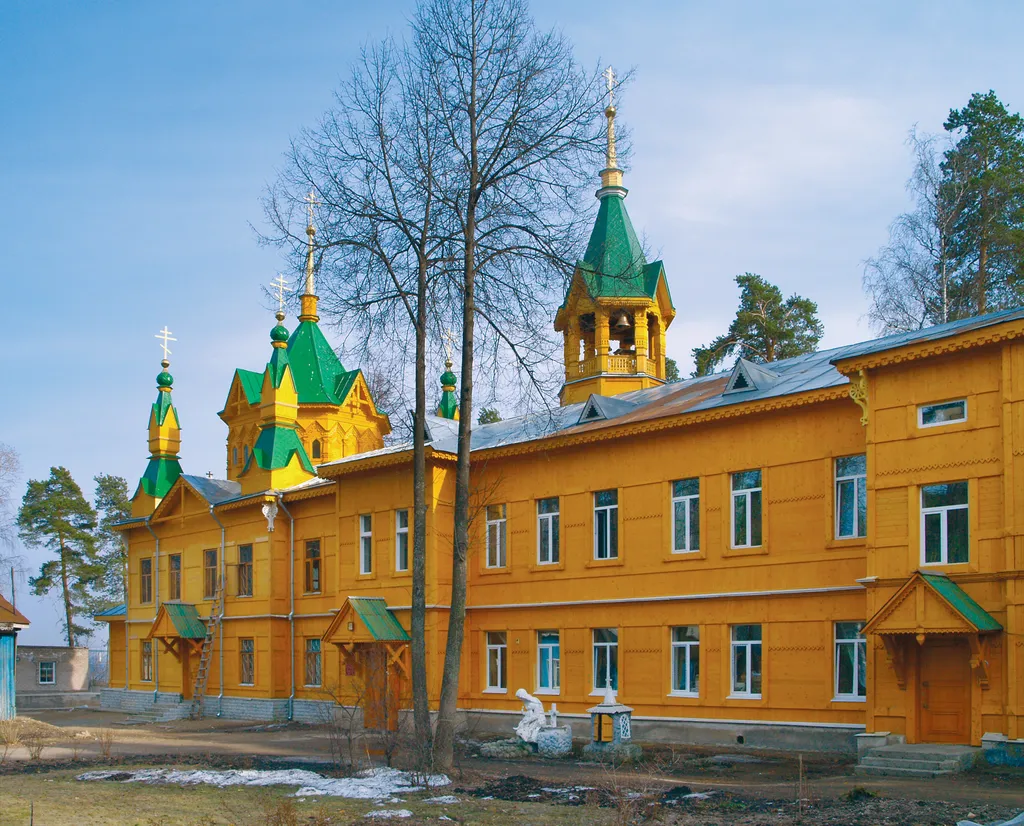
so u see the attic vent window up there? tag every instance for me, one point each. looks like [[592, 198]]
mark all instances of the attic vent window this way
[[593, 413], [741, 382]]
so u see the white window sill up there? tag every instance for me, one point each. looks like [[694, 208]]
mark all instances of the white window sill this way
[[548, 692], [599, 692], [685, 553], [683, 694], [744, 697], [495, 691], [547, 561], [848, 698]]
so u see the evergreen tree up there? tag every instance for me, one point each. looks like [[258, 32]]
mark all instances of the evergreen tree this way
[[987, 163], [488, 415], [114, 506], [56, 516], [671, 371], [766, 328]]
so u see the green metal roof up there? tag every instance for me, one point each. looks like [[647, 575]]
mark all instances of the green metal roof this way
[[315, 366], [277, 365], [186, 620], [275, 447], [961, 601], [162, 406], [116, 611], [378, 619], [252, 385], [161, 473]]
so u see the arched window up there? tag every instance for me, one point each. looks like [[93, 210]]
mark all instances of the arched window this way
[[316, 448], [234, 455], [245, 453]]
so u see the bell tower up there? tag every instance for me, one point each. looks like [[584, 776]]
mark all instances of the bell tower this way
[[618, 306]]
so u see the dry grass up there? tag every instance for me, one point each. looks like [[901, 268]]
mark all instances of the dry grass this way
[[106, 738], [31, 734], [59, 798]]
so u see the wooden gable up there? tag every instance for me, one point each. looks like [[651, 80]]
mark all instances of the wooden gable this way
[[920, 609]]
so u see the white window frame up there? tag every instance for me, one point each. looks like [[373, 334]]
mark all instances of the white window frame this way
[[925, 407], [858, 481], [401, 539], [692, 649], [366, 543], [943, 511], [690, 503], [860, 654], [748, 646], [554, 669], [611, 647], [497, 536], [53, 672], [549, 555], [608, 513], [745, 493], [500, 651]]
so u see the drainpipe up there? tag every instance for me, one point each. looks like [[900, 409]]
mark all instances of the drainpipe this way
[[220, 630], [291, 601], [124, 541], [156, 608]]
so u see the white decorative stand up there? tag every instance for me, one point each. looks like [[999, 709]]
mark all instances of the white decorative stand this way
[[611, 731]]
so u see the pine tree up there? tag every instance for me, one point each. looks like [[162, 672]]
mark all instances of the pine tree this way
[[987, 163], [113, 505], [56, 516], [766, 328]]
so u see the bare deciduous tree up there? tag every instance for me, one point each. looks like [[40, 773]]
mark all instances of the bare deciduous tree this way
[[10, 470], [913, 281]]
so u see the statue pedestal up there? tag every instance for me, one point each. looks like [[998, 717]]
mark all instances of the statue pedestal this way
[[554, 741]]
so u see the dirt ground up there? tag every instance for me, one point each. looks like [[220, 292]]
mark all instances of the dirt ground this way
[[733, 786]]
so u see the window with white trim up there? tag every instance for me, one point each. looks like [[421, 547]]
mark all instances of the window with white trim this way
[[851, 496], [606, 524], [606, 659], [496, 536], [366, 543], [944, 523], [851, 661], [402, 539], [746, 509], [746, 661], [685, 660], [548, 661], [497, 650], [47, 672], [933, 415], [547, 531], [685, 516]]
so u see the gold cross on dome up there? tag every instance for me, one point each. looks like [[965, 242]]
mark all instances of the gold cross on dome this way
[[280, 286], [609, 76], [165, 335], [448, 343], [312, 201]]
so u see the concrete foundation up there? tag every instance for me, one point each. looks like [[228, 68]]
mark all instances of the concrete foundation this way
[[35, 701]]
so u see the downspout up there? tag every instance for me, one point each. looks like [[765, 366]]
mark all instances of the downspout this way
[[124, 541], [220, 624], [291, 602], [156, 606]]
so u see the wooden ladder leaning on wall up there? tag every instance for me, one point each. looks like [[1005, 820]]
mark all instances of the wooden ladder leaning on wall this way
[[213, 622]]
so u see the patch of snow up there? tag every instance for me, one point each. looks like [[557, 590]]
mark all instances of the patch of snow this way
[[373, 784], [698, 796], [445, 798], [388, 814]]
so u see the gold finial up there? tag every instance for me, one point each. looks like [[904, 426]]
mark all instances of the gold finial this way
[[611, 175], [308, 312], [165, 335]]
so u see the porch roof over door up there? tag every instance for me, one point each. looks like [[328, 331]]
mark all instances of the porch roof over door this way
[[365, 619], [931, 603], [177, 619]]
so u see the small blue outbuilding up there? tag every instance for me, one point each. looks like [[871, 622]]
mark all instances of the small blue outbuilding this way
[[11, 622]]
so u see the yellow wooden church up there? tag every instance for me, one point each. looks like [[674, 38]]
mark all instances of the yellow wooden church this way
[[794, 553]]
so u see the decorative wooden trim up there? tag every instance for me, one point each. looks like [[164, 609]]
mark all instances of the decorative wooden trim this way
[[954, 343], [894, 656], [859, 393], [938, 466]]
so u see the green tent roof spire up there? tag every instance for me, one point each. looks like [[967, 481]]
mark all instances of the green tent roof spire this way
[[449, 406]]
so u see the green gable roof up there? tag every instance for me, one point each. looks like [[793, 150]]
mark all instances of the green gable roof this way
[[162, 406], [186, 620], [378, 619], [275, 447], [962, 602], [252, 385], [315, 366]]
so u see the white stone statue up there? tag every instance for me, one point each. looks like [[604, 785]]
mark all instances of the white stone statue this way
[[533, 717]]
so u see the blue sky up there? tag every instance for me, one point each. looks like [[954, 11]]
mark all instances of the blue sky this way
[[136, 139]]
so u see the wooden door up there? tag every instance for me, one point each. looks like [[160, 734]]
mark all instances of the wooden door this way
[[945, 691], [380, 697]]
